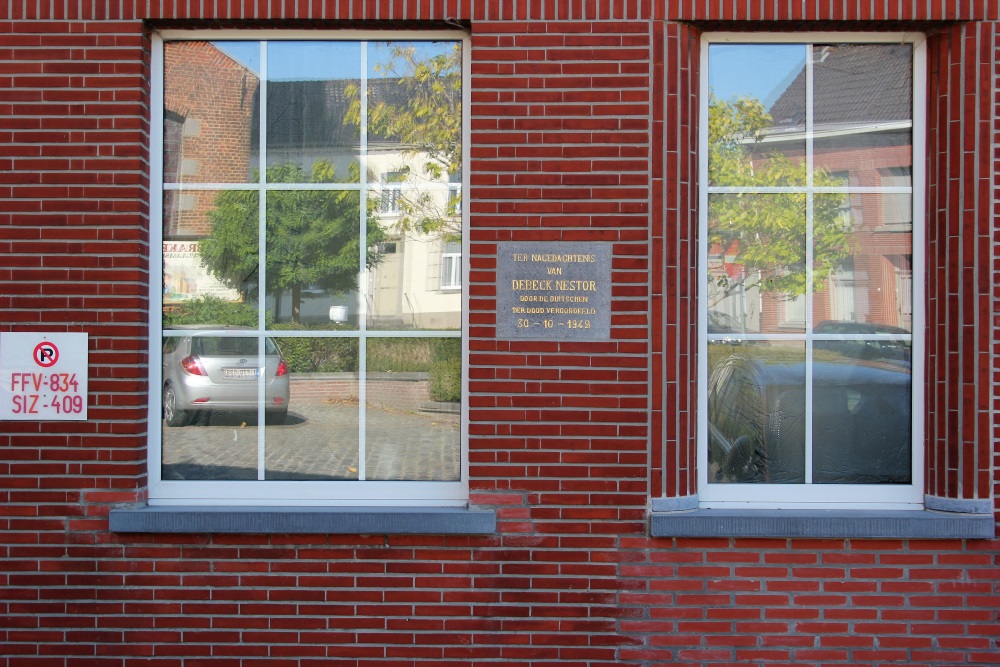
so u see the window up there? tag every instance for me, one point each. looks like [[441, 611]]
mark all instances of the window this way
[[451, 266], [308, 356], [811, 161], [392, 188]]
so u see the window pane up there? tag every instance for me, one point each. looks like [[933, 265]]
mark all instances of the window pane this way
[[756, 412], [756, 115], [210, 258], [318, 439], [414, 393], [863, 267], [861, 419], [756, 262], [415, 101], [212, 383], [863, 108], [405, 286], [313, 109], [210, 111], [313, 255]]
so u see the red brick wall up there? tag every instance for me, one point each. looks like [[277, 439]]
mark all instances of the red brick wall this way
[[584, 126], [383, 389]]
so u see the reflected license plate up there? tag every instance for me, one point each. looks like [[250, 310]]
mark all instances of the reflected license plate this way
[[239, 373]]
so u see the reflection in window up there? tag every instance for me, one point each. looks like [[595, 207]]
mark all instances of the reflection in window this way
[[392, 190], [303, 297], [451, 265], [807, 265]]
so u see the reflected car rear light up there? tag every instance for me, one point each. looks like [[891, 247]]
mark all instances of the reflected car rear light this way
[[192, 365], [282, 368]]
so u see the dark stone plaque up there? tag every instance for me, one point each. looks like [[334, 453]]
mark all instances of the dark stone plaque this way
[[556, 290]]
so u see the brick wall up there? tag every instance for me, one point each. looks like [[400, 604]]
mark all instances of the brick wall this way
[[584, 127], [408, 393]]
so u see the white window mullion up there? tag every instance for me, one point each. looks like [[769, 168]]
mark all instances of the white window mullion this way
[[810, 210], [262, 266], [363, 283]]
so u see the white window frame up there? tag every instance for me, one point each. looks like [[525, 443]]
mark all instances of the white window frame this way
[[451, 268], [392, 194], [815, 496], [294, 493]]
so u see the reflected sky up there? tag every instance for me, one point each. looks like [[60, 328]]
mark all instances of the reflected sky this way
[[313, 61], [761, 71]]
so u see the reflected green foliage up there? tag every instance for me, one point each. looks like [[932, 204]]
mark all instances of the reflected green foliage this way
[[446, 371], [211, 310], [313, 237], [318, 355], [425, 116], [766, 232], [400, 355], [440, 358]]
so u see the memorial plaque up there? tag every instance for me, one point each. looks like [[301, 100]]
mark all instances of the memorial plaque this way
[[556, 290]]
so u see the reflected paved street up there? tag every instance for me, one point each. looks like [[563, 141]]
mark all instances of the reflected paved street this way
[[318, 441]]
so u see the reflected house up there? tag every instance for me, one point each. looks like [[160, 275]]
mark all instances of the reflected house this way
[[209, 114], [207, 117], [212, 128], [862, 138]]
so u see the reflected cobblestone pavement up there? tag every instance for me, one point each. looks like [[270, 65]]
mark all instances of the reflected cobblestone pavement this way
[[318, 441]]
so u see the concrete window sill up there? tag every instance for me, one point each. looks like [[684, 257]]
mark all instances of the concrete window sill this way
[[909, 524], [304, 520]]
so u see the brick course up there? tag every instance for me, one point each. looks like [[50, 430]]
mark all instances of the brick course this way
[[584, 127]]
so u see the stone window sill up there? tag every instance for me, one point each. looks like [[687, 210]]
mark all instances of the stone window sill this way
[[303, 520], [842, 524]]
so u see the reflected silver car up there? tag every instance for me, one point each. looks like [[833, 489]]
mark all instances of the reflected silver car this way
[[205, 372]]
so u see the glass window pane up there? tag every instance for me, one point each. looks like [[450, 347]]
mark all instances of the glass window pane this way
[[313, 110], [210, 258], [861, 419], [210, 396], [863, 267], [415, 132], [756, 412], [318, 438], [406, 285], [413, 415], [863, 108], [210, 111], [313, 255], [756, 262], [756, 115]]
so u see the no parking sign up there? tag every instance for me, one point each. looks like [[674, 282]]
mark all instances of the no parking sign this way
[[43, 376]]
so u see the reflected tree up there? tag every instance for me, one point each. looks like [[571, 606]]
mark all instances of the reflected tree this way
[[765, 232], [418, 104], [313, 237]]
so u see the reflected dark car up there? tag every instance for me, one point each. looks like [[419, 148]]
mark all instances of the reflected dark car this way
[[205, 372], [879, 349], [861, 423]]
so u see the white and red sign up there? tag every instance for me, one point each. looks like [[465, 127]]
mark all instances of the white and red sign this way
[[43, 376]]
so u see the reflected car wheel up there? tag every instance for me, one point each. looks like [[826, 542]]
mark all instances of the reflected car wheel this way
[[275, 418], [171, 415]]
